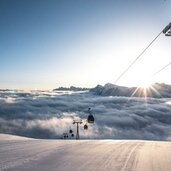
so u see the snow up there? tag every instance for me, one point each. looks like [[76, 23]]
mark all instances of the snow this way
[[26, 154]]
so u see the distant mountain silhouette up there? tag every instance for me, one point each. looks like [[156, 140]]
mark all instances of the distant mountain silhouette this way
[[72, 88], [157, 90]]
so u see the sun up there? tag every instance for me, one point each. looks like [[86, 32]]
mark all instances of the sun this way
[[145, 84], [145, 87]]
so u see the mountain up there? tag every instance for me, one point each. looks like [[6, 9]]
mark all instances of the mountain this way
[[157, 90], [72, 88]]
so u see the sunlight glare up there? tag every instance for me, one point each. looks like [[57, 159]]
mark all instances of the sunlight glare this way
[[145, 84]]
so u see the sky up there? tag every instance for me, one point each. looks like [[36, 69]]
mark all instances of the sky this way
[[45, 44]]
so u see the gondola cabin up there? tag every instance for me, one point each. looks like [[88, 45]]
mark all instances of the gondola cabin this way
[[85, 126], [90, 118]]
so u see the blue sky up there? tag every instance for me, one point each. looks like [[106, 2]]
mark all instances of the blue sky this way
[[49, 43]]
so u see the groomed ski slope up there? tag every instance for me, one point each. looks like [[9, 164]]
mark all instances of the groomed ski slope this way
[[24, 154]]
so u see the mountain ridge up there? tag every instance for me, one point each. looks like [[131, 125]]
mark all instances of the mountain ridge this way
[[156, 90]]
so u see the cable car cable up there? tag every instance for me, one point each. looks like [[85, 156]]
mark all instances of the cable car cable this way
[[135, 60], [162, 69]]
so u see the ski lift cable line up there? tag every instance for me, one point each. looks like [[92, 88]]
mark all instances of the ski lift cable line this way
[[161, 69], [135, 60]]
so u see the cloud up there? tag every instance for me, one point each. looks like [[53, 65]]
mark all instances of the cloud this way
[[45, 114]]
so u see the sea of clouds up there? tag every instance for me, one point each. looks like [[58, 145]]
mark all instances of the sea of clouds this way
[[49, 114]]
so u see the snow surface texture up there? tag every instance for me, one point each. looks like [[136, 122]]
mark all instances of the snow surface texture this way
[[22, 154], [48, 114]]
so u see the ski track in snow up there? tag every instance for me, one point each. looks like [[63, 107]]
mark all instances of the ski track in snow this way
[[24, 154]]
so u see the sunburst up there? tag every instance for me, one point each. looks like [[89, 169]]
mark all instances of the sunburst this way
[[145, 90]]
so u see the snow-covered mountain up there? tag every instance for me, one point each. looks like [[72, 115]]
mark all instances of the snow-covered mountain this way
[[157, 90]]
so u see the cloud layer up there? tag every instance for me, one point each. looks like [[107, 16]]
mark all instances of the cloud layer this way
[[43, 114]]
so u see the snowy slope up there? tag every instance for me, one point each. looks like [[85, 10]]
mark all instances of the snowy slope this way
[[24, 154]]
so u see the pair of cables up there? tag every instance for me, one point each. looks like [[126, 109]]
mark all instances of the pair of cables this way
[[167, 32]]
